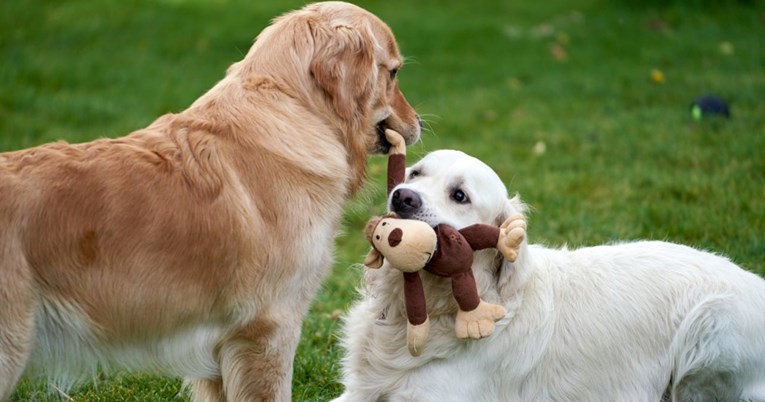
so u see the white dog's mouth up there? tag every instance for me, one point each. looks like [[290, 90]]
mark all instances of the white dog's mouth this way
[[409, 208], [409, 204], [429, 218]]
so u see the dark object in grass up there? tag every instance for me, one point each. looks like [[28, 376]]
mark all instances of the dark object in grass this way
[[709, 105]]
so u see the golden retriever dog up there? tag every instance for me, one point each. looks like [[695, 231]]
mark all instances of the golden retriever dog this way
[[638, 321], [193, 247]]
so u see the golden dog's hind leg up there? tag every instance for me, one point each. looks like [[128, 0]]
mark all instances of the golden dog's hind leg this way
[[17, 322]]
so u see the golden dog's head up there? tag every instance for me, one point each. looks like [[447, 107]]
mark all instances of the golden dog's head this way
[[342, 61], [356, 65]]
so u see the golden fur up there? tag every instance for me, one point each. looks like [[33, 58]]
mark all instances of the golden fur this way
[[194, 246]]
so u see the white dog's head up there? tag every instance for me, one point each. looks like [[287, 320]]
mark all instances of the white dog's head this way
[[454, 188]]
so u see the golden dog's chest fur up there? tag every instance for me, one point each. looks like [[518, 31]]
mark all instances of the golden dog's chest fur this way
[[195, 245]]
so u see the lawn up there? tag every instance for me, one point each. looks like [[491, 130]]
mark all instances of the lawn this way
[[581, 106]]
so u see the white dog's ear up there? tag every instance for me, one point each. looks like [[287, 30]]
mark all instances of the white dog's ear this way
[[512, 206], [343, 66], [506, 270]]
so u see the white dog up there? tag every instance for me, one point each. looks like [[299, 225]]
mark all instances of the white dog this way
[[643, 321]]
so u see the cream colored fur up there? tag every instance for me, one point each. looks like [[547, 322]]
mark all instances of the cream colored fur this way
[[193, 247], [641, 321]]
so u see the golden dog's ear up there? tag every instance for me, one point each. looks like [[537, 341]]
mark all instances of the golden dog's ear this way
[[344, 67]]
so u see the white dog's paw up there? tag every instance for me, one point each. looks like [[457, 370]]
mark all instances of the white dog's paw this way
[[512, 232]]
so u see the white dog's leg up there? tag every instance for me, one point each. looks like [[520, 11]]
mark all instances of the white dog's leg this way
[[706, 350]]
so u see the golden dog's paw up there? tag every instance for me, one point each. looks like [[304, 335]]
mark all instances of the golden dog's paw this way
[[478, 323], [512, 232]]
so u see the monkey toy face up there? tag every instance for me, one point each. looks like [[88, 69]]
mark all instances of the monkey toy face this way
[[407, 244]]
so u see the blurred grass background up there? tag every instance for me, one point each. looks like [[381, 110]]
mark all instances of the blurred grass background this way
[[582, 106]]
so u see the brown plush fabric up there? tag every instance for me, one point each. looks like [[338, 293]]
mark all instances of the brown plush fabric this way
[[414, 294], [454, 257], [394, 238], [481, 236], [453, 254], [396, 170], [465, 292]]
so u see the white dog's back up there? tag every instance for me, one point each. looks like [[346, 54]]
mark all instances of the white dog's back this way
[[631, 318]]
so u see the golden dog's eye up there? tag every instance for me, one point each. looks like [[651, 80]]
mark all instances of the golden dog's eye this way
[[393, 73]]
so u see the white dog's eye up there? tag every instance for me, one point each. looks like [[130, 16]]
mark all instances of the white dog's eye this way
[[460, 197], [413, 174]]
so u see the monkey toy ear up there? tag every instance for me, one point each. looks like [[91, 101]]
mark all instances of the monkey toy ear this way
[[374, 259], [370, 227]]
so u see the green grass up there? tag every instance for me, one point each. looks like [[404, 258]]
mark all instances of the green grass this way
[[623, 159]]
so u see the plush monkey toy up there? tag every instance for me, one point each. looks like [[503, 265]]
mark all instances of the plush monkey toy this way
[[411, 245]]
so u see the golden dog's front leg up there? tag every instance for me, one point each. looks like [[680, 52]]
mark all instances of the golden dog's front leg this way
[[206, 390], [256, 362]]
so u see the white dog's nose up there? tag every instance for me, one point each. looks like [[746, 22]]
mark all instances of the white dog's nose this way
[[405, 202]]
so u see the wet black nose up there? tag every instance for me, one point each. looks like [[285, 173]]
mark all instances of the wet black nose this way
[[405, 202]]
